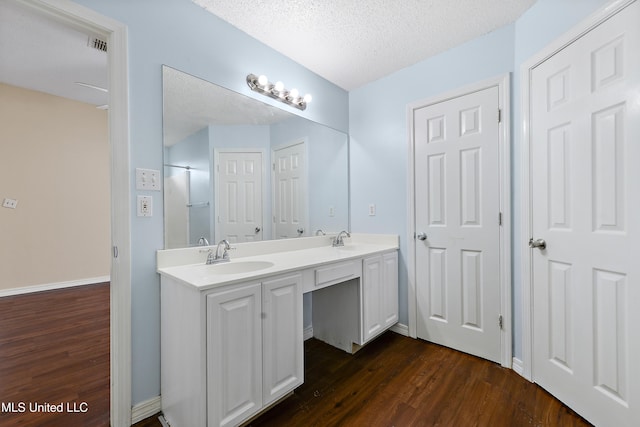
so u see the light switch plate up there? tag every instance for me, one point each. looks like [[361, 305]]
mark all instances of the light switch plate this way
[[372, 210], [147, 179]]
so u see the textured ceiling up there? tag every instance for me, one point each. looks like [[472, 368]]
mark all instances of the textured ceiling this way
[[39, 53], [191, 103], [354, 42]]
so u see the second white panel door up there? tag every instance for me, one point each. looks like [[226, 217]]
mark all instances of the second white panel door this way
[[457, 209]]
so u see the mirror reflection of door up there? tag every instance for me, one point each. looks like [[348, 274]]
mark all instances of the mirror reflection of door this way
[[289, 191], [239, 178]]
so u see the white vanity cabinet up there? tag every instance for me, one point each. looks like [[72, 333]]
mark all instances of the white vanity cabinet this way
[[253, 354], [282, 337], [232, 333], [234, 355], [379, 294]]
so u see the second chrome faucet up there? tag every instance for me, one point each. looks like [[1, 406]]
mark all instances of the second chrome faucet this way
[[214, 257], [338, 240]]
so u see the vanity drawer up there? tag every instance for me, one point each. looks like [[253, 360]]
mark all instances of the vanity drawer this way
[[331, 274]]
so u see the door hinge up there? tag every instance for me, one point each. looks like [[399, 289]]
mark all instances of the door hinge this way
[[499, 115], [499, 218], [115, 252], [273, 166], [500, 322]]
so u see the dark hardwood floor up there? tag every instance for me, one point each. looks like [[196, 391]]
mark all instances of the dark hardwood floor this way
[[54, 349], [398, 381]]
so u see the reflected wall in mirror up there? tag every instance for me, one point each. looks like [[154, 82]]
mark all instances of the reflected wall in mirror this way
[[242, 170]]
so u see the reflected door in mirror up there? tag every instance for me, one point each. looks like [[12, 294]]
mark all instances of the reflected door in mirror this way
[[239, 196], [290, 191]]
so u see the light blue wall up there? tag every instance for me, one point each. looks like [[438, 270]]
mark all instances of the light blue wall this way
[[182, 35], [378, 124], [378, 132]]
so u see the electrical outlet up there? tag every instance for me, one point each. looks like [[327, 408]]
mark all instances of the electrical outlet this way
[[147, 179], [10, 203], [372, 210], [145, 206], [332, 211]]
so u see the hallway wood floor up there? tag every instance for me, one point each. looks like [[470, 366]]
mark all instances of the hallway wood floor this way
[[54, 349], [398, 381]]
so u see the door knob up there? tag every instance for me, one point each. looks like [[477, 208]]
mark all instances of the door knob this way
[[421, 236], [539, 243]]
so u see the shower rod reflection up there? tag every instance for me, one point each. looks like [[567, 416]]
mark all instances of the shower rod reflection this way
[[178, 166]]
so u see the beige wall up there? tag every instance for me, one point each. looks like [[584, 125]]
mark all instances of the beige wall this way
[[54, 159]]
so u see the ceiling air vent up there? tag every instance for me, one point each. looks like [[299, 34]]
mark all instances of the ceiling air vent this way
[[97, 43]]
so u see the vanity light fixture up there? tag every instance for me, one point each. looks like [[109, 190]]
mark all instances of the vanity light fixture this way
[[277, 91]]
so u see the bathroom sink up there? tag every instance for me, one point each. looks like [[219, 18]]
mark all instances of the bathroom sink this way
[[238, 267]]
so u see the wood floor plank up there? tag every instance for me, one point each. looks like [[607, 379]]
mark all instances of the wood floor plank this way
[[54, 348], [399, 381]]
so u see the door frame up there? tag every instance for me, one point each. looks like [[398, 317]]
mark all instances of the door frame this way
[[504, 154], [120, 305], [216, 186], [526, 70]]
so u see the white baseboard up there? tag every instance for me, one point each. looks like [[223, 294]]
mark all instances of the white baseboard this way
[[146, 409], [53, 286], [307, 333], [401, 329], [517, 366]]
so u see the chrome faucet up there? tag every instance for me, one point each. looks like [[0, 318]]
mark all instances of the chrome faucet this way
[[215, 257], [337, 241], [320, 232], [202, 241]]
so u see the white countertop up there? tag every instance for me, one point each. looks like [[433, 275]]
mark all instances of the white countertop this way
[[302, 255]]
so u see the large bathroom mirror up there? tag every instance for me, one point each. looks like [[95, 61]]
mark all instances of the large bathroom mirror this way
[[242, 170]]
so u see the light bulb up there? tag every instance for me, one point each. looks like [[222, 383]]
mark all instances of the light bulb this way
[[279, 86], [263, 80], [294, 93], [307, 98]]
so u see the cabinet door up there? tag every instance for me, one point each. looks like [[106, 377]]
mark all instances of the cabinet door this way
[[283, 366], [389, 293], [371, 297], [234, 355], [379, 294]]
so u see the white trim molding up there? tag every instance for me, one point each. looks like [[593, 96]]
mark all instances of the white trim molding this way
[[400, 328], [517, 366], [307, 333], [504, 153], [526, 70], [116, 34], [53, 286], [146, 409]]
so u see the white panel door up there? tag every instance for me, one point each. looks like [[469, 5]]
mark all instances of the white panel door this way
[[585, 189], [282, 340], [239, 201], [234, 355], [290, 192], [457, 207]]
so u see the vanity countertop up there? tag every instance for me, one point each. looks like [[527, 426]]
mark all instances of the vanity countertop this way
[[268, 259]]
